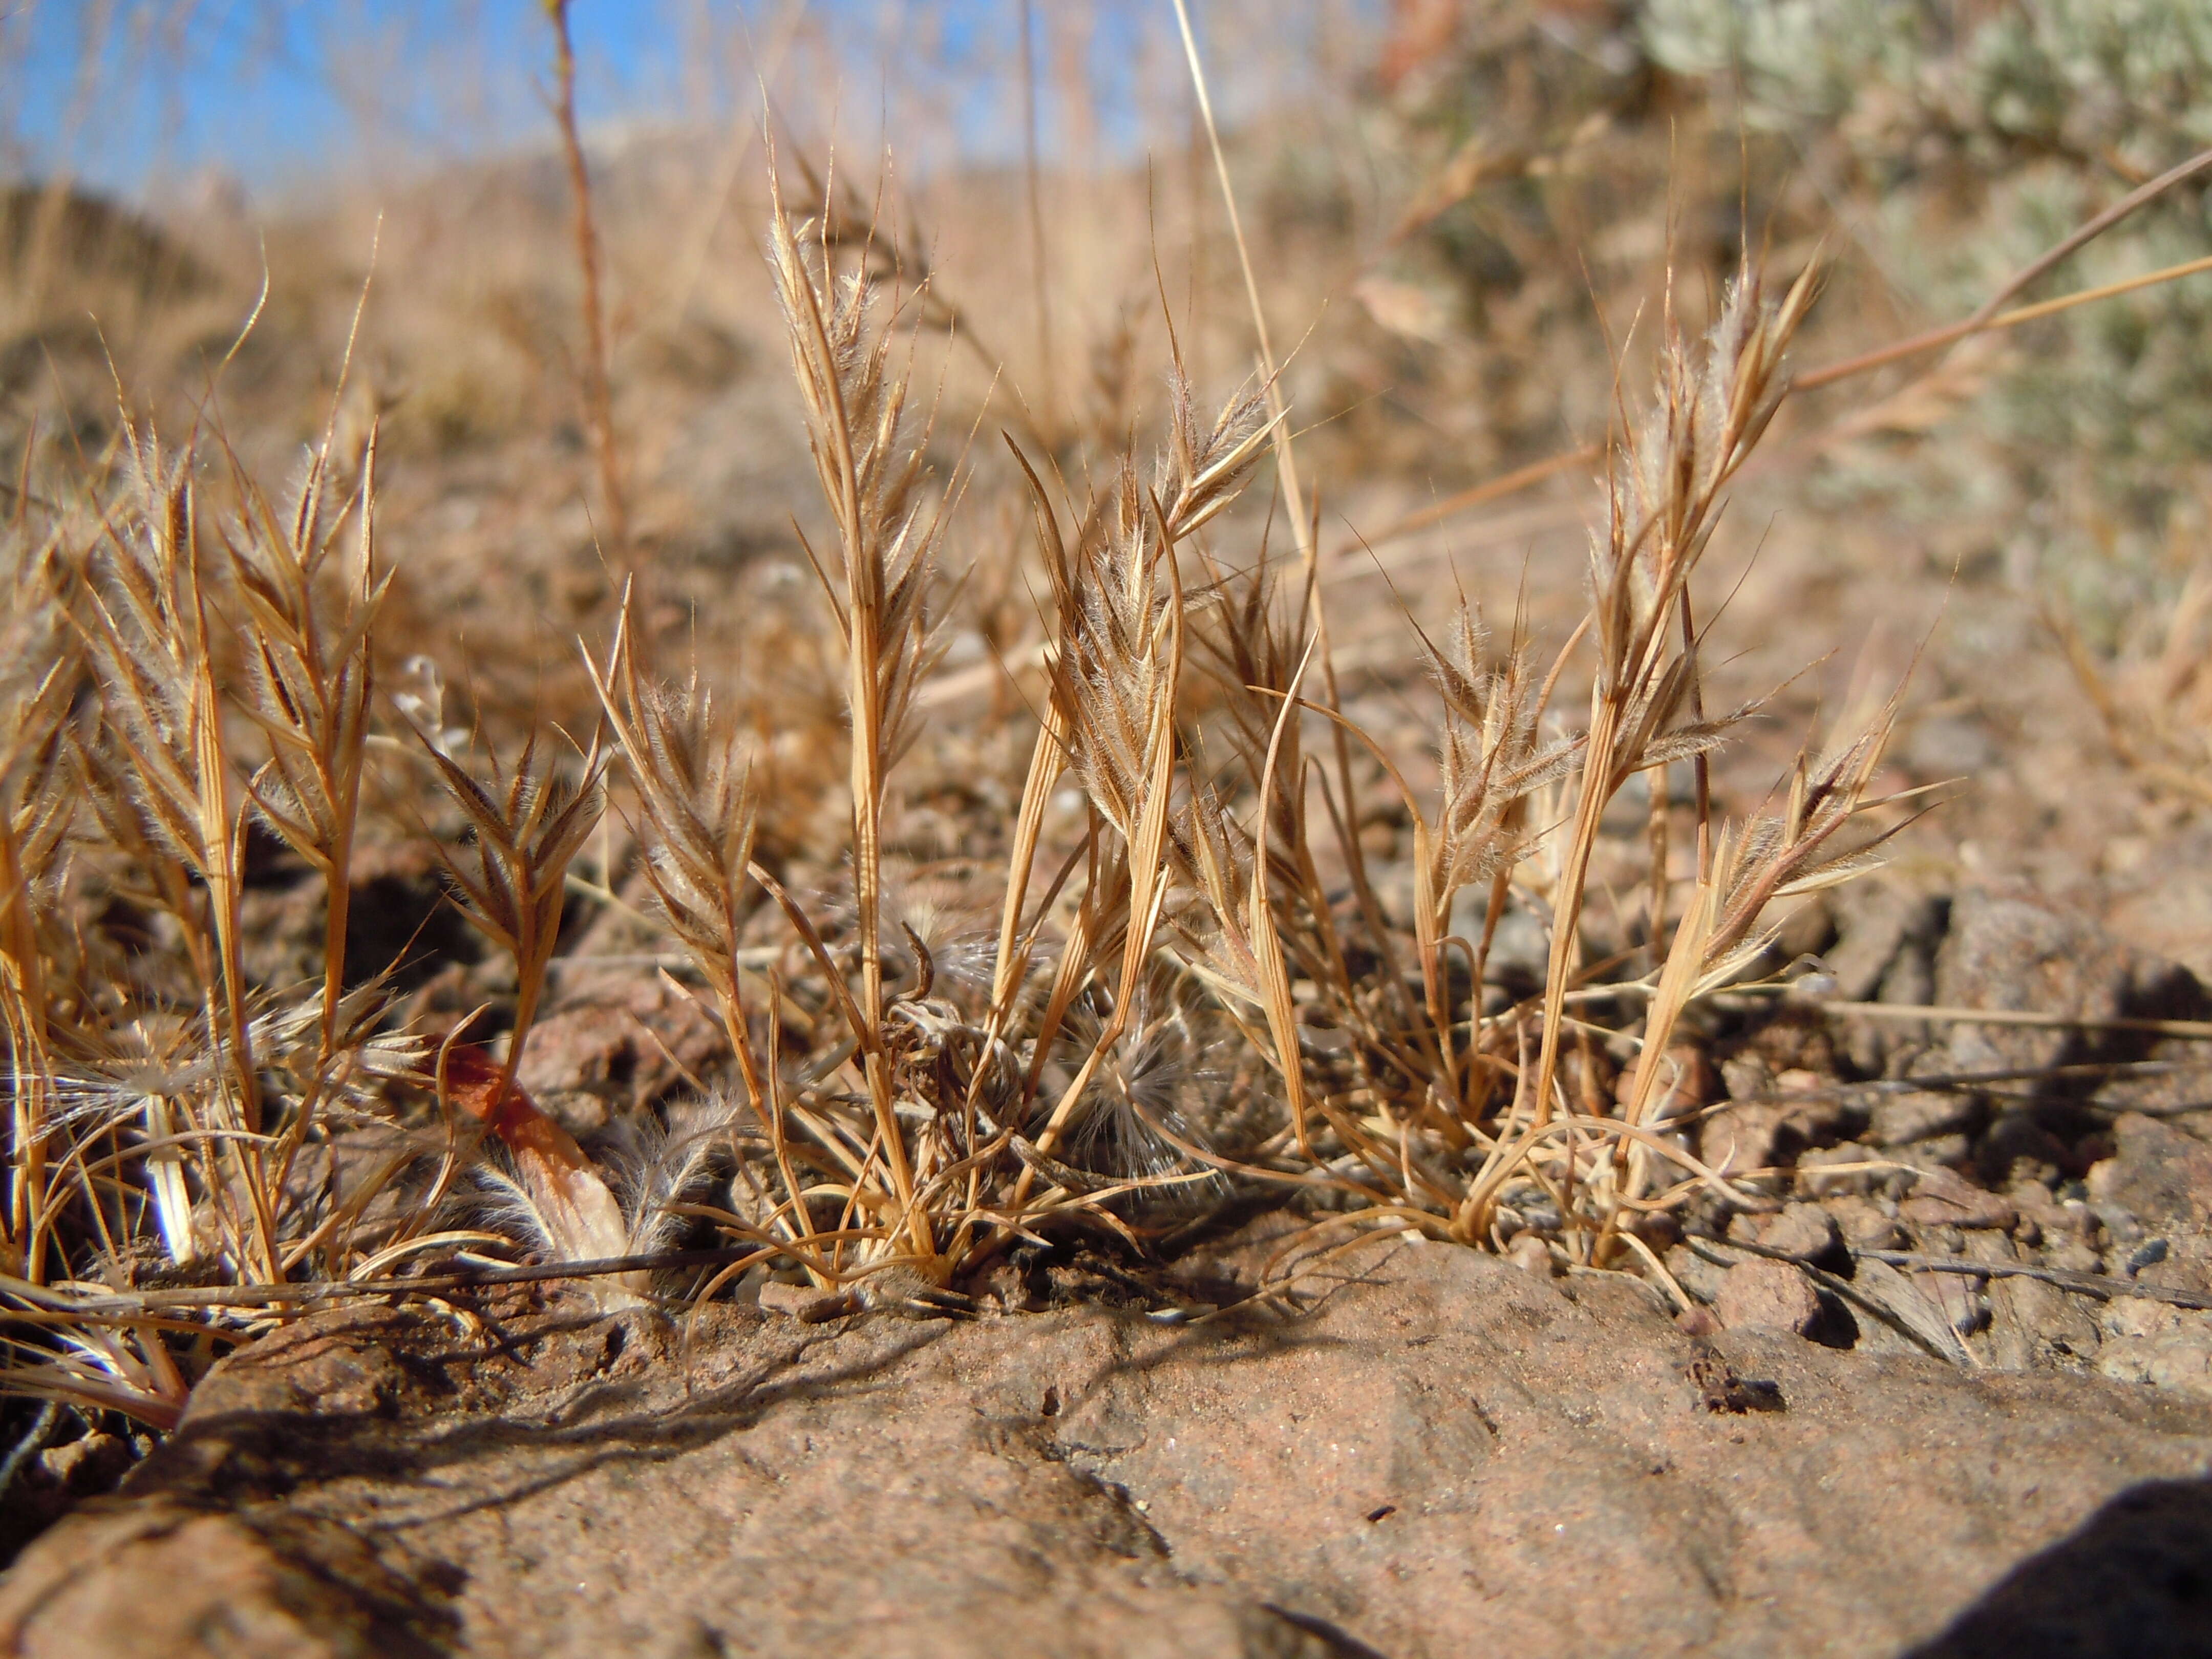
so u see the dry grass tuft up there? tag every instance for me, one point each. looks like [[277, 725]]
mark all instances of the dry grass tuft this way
[[1168, 969]]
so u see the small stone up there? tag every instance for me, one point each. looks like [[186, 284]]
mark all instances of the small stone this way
[[1745, 1135], [2040, 1210], [92, 1462], [337, 1367], [1804, 1232], [2157, 1173], [1901, 1120], [1531, 1255], [1698, 1275], [1942, 1152], [1697, 1322], [1747, 1076], [804, 1303], [1943, 1199], [1802, 1110], [2006, 953], [1813, 1176], [1774, 1294], [2120, 1223], [1863, 1225], [2075, 1219], [1878, 922], [615, 1043], [2073, 1255], [1008, 1285], [2147, 1341], [1797, 1037]]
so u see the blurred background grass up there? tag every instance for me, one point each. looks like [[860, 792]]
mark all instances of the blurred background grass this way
[[1464, 214]]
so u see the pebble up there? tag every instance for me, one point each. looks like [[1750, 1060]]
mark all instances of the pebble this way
[[1814, 1177], [87, 1463], [1774, 1294], [1804, 1232], [1901, 1120], [1531, 1255], [804, 1303], [1864, 1224], [2147, 1341], [1697, 1322]]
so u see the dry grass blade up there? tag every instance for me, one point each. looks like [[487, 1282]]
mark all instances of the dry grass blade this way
[[1492, 762], [1664, 501], [148, 629], [697, 800], [94, 1364], [889, 525], [165, 782], [700, 812], [37, 809], [1116, 671], [308, 680], [525, 826]]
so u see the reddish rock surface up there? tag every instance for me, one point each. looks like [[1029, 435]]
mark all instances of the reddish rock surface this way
[[1439, 1455], [1769, 1296]]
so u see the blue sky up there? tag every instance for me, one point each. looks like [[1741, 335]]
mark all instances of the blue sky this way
[[134, 96], [273, 91]]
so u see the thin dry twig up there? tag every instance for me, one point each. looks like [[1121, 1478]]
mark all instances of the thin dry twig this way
[[593, 376]]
